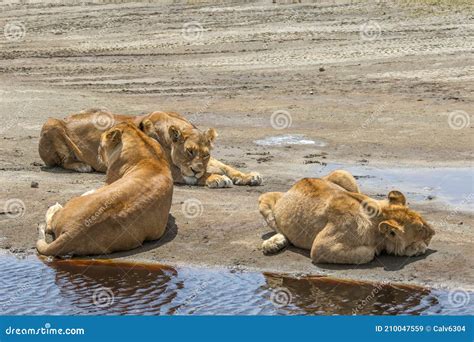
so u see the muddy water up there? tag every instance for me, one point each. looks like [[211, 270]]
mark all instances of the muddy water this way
[[453, 187], [37, 286]]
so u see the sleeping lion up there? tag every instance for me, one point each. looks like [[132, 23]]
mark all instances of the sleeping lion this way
[[131, 208], [338, 224], [72, 143]]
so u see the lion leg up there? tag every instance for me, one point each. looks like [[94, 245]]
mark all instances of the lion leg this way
[[215, 181], [327, 251], [57, 149], [275, 244], [344, 179], [89, 192], [77, 166], [266, 203], [49, 216], [237, 177]]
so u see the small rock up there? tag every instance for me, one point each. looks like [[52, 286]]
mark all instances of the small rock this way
[[430, 197], [321, 69], [34, 184]]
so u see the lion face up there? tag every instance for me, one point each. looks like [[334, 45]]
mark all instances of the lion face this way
[[405, 230], [190, 151]]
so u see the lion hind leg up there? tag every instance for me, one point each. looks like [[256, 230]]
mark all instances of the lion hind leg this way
[[339, 253], [237, 177], [57, 149], [344, 179], [52, 210], [266, 204]]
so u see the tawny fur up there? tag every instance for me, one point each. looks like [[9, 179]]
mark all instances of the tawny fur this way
[[131, 208], [338, 224], [72, 143]]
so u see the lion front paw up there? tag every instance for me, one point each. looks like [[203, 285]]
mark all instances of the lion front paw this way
[[416, 249], [219, 181], [252, 179], [274, 244]]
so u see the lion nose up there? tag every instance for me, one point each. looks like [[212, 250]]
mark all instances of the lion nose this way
[[194, 170]]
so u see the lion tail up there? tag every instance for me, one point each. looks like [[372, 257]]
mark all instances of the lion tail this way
[[55, 248]]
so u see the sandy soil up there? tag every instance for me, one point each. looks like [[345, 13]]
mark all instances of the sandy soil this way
[[375, 82]]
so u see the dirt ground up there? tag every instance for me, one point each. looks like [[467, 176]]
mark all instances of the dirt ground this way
[[375, 81]]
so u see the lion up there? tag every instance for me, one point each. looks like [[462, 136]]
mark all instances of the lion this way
[[131, 208], [338, 224], [72, 143]]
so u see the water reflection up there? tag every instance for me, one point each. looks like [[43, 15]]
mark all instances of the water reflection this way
[[32, 286], [327, 296]]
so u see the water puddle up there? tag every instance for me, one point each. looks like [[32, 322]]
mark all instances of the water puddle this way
[[289, 139], [85, 287], [452, 186]]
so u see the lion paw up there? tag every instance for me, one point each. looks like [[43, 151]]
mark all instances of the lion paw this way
[[252, 179], [219, 181], [274, 244], [84, 168]]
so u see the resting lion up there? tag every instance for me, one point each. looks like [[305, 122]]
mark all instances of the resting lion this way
[[132, 208], [338, 224], [72, 143]]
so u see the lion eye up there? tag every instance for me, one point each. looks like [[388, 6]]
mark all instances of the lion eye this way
[[206, 156]]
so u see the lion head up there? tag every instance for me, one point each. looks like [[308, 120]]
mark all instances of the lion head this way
[[405, 230], [190, 151]]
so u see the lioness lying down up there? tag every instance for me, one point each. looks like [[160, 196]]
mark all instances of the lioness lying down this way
[[133, 207], [72, 143], [330, 217]]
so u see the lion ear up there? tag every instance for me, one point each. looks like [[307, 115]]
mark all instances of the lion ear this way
[[147, 127], [396, 198], [211, 135], [175, 134], [114, 135], [390, 228]]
